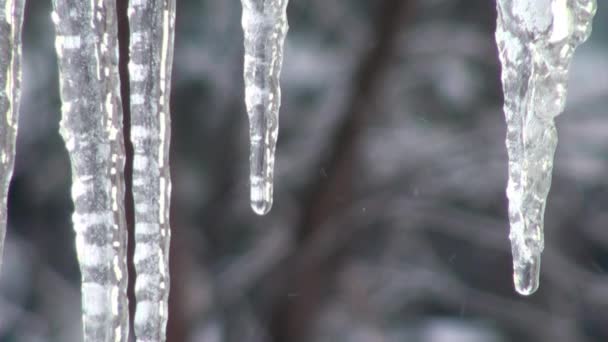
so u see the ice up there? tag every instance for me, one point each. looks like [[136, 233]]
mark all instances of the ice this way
[[265, 27], [536, 42], [151, 55], [91, 126], [11, 19]]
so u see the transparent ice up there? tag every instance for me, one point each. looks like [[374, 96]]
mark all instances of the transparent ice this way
[[91, 126], [536, 42], [151, 54], [11, 19], [265, 27]]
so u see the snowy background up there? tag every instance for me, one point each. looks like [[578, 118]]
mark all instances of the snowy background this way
[[389, 221]]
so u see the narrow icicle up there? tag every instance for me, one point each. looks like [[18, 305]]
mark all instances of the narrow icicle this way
[[152, 32], [265, 27], [536, 41], [11, 19], [91, 126]]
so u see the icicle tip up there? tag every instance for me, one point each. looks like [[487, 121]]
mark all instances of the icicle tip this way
[[260, 205], [526, 275], [261, 208], [261, 182]]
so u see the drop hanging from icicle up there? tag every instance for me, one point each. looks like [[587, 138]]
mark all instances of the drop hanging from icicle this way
[[265, 27], [536, 42]]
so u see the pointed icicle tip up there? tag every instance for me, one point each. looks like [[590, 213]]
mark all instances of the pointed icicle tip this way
[[526, 275]]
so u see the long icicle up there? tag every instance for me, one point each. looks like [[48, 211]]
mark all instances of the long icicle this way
[[91, 126], [536, 41], [151, 53], [265, 27], [11, 20]]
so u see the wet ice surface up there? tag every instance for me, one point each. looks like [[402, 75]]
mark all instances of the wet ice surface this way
[[91, 126], [536, 42], [11, 19], [265, 27], [151, 54]]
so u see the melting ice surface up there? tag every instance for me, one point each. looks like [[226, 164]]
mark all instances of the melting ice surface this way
[[536, 42], [11, 19], [265, 27], [91, 126], [151, 53]]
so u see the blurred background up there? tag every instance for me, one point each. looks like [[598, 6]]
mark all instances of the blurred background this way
[[389, 222]]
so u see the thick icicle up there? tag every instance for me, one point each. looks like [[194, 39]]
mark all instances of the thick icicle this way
[[536, 41], [11, 19], [152, 31], [91, 126], [265, 27]]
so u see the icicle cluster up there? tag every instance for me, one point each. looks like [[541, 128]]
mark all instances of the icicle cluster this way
[[265, 27], [11, 19], [536, 41], [91, 126], [151, 53]]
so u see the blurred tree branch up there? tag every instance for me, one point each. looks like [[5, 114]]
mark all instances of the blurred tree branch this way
[[293, 314]]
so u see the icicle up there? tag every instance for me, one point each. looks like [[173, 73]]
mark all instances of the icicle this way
[[152, 31], [536, 41], [265, 27], [11, 18], [91, 126]]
